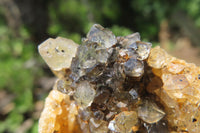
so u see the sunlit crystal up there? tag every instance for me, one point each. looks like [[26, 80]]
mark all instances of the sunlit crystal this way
[[143, 50], [130, 40], [98, 126], [133, 93], [157, 58], [58, 53], [102, 36], [175, 66], [124, 122], [84, 93], [64, 86], [150, 112]]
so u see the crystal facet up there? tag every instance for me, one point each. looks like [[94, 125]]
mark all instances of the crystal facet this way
[[84, 93], [58, 53]]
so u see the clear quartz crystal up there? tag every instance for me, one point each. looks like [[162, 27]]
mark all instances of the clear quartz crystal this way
[[150, 112], [98, 126], [104, 37], [102, 55], [143, 50], [130, 40], [84, 93], [133, 93], [124, 122], [64, 86], [86, 56], [134, 68]]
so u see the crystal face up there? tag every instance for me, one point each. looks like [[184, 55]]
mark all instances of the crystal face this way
[[58, 53], [114, 84], [124, 122], [84, 93], [103, 37], [150, 112]]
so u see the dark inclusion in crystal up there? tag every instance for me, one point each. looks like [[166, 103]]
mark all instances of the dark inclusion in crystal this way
[[107, 81]]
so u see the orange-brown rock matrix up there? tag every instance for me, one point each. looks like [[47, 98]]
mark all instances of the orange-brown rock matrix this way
[[177, 86], [59, 114], [114, 84]]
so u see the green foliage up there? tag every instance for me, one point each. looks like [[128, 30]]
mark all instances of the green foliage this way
[[34, 129], [12, 122], [120, 31], [192, 8], [16, 75]]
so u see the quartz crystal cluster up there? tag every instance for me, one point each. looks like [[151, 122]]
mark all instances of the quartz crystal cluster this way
[[112, 84]]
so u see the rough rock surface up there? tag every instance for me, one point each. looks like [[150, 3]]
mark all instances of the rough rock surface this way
[[179, 91], [120, 85], [59, 114]]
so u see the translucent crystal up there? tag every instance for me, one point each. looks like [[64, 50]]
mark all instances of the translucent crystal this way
[[88, 59], [64, 86], [157, 58], [102, 55], [124, 122], [102, 36], [132, 46], [102, 95], [84, 114], [110, 115], [133, 93], [126, 54], [84, 93], [130, 40], [158, 127], [116, 76], [99, 115], [84, 126], [86, 56], [121, 104], [176, 66], [123, 55], [143, 50], [58, 53], [134, 68], [150, 112], [98, 126], [76, 71]]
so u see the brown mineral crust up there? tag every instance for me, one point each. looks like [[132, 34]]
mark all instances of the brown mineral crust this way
[[59, 114], [180, 92]]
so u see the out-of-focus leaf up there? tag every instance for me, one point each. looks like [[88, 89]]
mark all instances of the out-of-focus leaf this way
[[35, 128], [13, 121], [120, 31], [24, 102]]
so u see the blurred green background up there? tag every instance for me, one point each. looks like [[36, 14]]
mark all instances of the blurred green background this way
[[25, 79]]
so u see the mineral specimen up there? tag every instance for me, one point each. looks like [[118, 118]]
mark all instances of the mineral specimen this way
[[114, 84]]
